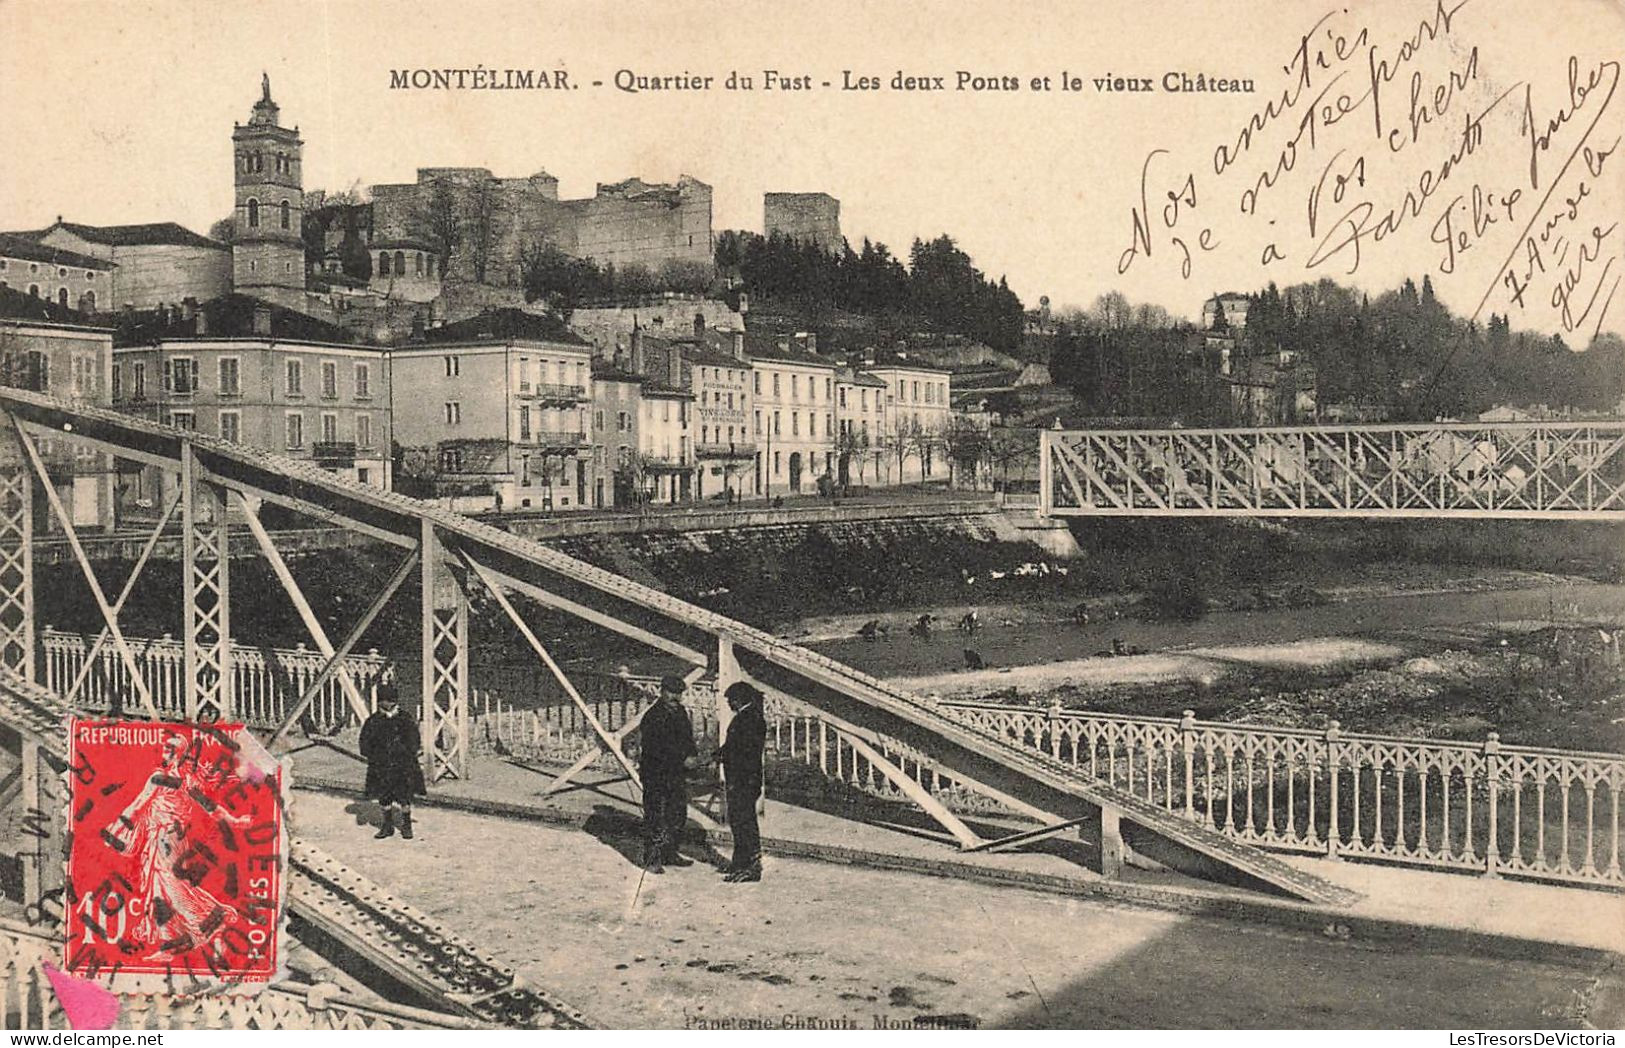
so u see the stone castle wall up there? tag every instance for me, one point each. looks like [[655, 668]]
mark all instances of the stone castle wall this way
[[630, 223]]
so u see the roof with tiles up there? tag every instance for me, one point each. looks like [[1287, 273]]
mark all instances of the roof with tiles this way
[[14, 246], [506, 323], [229, 316], [144, 234]]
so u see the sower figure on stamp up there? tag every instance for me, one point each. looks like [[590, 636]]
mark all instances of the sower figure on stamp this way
[[393, 751], [741, 758], [668, 751]]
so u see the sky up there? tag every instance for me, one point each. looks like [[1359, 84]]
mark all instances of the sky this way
[[122, 112]]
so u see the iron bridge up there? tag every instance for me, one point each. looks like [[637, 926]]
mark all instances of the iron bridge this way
[[1486, 470]]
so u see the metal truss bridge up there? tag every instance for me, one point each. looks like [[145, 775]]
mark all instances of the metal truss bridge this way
[[1499, 470], [452, 559]]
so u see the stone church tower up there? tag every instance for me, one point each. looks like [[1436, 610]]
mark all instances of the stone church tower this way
[[268, 251]]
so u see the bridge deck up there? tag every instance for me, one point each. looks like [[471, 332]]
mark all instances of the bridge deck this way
[[839, 940], [398, 939], [862, 704]]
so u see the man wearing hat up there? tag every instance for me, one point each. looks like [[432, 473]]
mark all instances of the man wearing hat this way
[[393, 751], [741, 758], [666, 736]]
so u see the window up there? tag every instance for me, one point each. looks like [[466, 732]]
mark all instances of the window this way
[[795, 423], [598, 419], [758, 423], [33, 291], [757, 377], [118, 382], [296, 430], [795, 387], [775, 385], [231, 426], [87, 302], [229, 382], [183, 419], [454, 367], [916, 390], [363, 431], [181, 375], [776, 469], [524, 422], [296, 378], [826, 388], [863, 399], [383, 263], [778, 430], [62, 297], [253, 213], [829, 424], [451, 460], [417, 264], [843, 399], [363, 381], [330, 428], [454, 413], [330, 380], [286, 216], [138, 380], [400, 263], [623, 422]]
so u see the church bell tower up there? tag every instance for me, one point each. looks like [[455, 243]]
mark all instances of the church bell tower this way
[[268, 250]]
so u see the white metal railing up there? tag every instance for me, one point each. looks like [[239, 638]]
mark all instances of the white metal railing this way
[[28, 1002], [1484, 807], [266, 682], [1551, 814], [1497, 469]]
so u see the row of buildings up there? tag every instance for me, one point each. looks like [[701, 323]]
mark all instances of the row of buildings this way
[[506, 410], [474, 399]]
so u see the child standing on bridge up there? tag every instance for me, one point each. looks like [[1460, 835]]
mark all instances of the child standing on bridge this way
[[393, 750]]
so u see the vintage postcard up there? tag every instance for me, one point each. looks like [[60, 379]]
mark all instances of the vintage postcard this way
[[915, 515]]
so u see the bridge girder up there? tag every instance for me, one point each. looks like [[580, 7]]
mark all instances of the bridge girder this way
[[1482, 470], [862, 706]]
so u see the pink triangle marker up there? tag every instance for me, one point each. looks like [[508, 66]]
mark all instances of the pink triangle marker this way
[[87, 1005]]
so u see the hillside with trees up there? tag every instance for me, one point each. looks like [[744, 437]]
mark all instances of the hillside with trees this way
[[939, 288], [1401, 355]]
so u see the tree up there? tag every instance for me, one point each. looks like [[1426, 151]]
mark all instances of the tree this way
[[481, 227], [1009, 449], [966, 443], [441, 219], [225, 230], [851, 447]]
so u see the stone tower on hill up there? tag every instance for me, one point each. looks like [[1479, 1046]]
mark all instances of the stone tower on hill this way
[[268, 251]]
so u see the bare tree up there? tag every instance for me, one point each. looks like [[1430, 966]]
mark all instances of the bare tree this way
[[1009, 449], [966, 445], [1112, 311], [852, 448], [903, 441]]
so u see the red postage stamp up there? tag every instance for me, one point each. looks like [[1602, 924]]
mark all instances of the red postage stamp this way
[[175, 857]]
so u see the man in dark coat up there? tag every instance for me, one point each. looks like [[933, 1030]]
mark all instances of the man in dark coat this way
[[393, 751], [666, 737], [741, 758]]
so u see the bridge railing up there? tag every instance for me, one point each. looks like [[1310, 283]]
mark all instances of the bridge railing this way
[[267, 681], [27, 1001], [1552, 814], [1532, 469], [1482, 807], [796, 737]]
